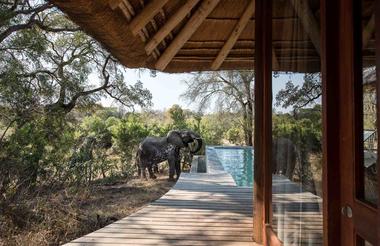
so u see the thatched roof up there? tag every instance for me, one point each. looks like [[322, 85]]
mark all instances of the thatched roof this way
[[194, 35]]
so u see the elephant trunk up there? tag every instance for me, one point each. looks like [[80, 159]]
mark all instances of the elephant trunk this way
[[199, 145]]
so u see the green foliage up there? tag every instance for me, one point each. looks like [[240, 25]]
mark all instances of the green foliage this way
[[304, 128], [235, 135], [178, 117], [128, 133], [34, 154]]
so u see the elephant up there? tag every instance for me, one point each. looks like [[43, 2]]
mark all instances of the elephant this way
[[153, 150]]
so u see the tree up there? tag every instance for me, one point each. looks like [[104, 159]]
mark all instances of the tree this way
[[231, 91], [178, 117], [48, 66], [301, 96], [16, 15]]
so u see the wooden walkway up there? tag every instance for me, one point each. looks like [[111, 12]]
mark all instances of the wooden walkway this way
[[201, 209], [209, 209]]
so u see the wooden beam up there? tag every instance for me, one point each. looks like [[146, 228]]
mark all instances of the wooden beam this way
[[368, 31], [188, 30], [240, 26], [129, 7], [310, 24], [126, 12], [129, 12], [170, 25], [114, 4], [146, 15], [276, 65]]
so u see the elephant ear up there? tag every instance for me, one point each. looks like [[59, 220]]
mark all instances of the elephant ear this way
[[174, 137]]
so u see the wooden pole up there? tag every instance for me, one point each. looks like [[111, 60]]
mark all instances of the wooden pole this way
[[377, 44], [188, 30], [170, 25], [146, 15], [262, 189], [330, 115], [242, 23]]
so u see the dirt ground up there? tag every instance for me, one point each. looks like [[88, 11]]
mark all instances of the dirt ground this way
[[61, 216]]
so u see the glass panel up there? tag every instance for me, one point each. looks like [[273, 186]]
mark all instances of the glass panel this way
[[369, 103], [361, 242], [297, 123]]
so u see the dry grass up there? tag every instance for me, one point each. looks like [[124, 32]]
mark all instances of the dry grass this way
[[57, 217]]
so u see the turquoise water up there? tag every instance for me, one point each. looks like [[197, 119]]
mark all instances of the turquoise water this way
[[235, 160]]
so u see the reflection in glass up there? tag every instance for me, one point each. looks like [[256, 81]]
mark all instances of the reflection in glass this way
[[297, 123], [370, 135]]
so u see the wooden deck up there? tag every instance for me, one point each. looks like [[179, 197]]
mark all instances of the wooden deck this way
[[201, 209], [209, 209], [297, 214]]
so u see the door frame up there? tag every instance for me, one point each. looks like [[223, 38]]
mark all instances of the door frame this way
[[341, 121]]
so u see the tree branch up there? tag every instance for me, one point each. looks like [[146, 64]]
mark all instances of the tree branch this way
[[33, 21], [6, 130]]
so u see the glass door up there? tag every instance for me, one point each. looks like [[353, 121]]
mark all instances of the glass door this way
[[297, 203], [366, 200]]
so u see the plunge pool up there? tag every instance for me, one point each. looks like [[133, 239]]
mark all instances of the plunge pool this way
[[236, 160]]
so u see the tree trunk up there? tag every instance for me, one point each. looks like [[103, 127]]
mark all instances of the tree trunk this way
[[250, 124]]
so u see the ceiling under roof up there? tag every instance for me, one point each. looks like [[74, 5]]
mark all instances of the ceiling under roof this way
[[197, 35]]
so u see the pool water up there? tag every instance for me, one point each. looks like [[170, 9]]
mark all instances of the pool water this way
[[235, 160]]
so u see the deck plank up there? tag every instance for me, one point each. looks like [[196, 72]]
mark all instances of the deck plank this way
[[201, 209], [208, 209]]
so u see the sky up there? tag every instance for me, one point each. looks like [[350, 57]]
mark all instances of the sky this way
[[166, 88]]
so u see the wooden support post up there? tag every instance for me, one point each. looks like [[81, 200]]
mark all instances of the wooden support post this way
[[377, 44], [188, 30], [242, 23], [330, 114], [150, 10], [170, 25], [308, 21], [262, 189]]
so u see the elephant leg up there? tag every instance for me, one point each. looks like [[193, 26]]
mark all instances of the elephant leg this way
[[138, 171], [172, 165], [155, 168], [177, 157], [151, 174], [178, 169], [142, 172]]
